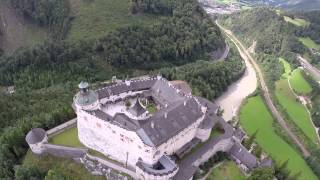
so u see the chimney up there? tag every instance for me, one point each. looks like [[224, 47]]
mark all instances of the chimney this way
[[184, 102], [165, 115], [152, 125]]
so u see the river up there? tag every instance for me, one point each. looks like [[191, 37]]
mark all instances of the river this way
[[230, 101]]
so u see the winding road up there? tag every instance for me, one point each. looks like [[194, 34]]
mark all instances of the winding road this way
[[245, 54]]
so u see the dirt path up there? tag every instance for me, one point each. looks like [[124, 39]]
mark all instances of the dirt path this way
[[264, 88]]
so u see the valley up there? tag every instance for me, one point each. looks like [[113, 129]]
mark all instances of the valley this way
[[257, 61]]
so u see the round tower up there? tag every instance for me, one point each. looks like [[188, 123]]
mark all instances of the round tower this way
[[86, 99], [36, 138]]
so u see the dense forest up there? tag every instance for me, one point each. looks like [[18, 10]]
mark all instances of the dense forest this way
[[152, 6], [45, 76], [313, 28], [206, 78]]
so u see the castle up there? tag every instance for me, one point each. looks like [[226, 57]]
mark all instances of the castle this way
[[144, 122]]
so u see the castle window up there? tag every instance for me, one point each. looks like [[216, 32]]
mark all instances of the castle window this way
[[98, 125], [147, 151], [113, 131], [139, 147]]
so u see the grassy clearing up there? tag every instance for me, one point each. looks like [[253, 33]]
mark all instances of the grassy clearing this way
[[228, 170], [297, 21], [298, 83], [68, 137], [287, 68], [295, 110], [254, 116], [93, 19], [309, 43], [67, 167]]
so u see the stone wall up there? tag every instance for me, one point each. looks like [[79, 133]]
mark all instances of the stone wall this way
[[63, 151], [62, 127]]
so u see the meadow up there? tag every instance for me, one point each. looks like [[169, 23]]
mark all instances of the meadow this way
[[287, 68], [309, 43], [254, 116], [296, 111], [227, 170], [94, 19], [296, 21], [298, 83]]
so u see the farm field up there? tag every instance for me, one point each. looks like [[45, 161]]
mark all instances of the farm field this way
[[286, 98], [227, 170], [296, 21], [296, 111], [298, 83], [93, 19], [254, 116], [309, 43]]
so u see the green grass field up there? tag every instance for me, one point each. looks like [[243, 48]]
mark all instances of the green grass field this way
[[93, 19], [309, 43], [67, 167], [68, 137], [296, 111], [296, 21], [228, 170], [254, 116], [287, 68], [298, 83]]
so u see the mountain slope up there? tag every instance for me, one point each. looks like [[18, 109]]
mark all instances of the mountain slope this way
[[15, 31]]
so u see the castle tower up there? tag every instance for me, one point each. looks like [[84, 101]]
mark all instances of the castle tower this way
[[86, 99], [36, 138]]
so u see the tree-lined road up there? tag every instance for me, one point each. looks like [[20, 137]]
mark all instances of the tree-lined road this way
[[311, 69], [246, 55]]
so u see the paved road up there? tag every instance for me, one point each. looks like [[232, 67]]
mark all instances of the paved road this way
[[265, 91], [311, 69]]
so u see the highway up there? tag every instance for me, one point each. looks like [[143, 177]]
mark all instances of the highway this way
[[265, 92]]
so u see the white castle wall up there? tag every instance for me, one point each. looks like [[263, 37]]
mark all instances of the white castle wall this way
[[126, 146], [113, 141], [176, 142]]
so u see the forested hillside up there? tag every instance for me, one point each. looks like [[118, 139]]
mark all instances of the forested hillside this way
[[274, 38], [45, 76], [53, 14]]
